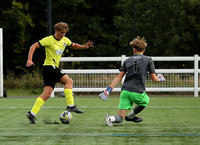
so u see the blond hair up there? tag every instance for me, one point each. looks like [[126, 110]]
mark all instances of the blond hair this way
[[138, 43], [61, 25]]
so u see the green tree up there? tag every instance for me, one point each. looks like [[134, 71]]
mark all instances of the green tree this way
[[123, 21], [171, 27], [186, 38], [16, 21]]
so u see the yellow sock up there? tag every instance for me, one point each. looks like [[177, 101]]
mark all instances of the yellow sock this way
[[37, 106], [69, 96]]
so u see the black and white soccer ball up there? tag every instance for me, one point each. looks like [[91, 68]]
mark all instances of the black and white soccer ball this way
[[66, 117]]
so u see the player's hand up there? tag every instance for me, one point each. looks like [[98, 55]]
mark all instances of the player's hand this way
[[89, 44], [161, 77], [104, 95], [29, 63]]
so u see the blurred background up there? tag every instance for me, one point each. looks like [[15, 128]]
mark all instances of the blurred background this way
[[171, 28]]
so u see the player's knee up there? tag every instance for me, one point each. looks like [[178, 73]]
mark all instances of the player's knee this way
[[69, 81]]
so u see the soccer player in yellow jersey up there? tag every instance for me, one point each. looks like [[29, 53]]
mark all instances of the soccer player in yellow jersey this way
[[54, 46]]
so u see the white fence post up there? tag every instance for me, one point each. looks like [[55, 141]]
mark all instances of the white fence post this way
[[1, 62], [123, 59], [53, 94], [196, 84]]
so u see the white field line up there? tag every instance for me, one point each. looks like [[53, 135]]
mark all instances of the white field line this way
[[109, 135], [109, 107]]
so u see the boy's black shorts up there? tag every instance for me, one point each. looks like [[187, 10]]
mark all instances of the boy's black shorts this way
[[51, 75]]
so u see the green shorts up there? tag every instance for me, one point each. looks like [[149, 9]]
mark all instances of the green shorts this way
[[128, 98]]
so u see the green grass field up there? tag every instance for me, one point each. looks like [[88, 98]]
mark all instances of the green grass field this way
[[167, 121]]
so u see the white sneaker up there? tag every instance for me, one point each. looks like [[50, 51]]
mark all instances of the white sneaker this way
[[108, 123]]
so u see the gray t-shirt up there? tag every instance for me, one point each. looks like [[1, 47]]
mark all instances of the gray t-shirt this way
[[136, 68]]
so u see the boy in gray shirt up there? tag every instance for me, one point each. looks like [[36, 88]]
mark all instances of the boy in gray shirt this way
[[135, 69]]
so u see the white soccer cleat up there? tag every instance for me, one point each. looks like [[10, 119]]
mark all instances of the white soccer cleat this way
[[108, 123]]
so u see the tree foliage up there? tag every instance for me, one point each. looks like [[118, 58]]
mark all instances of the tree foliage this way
[[16, 21], [171, 27]]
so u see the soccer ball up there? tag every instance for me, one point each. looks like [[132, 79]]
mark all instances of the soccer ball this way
[[66, 117]]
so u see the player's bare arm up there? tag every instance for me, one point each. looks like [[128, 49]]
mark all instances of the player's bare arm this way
[[30, 54], [117, 79], [86, 46], [104, 95]]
